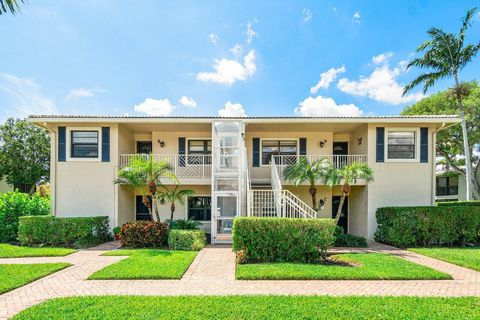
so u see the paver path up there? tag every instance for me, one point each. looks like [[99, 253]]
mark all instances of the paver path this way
[[213, 273]]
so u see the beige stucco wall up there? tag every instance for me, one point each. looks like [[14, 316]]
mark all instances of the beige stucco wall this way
[[4, 187], [322, 193]]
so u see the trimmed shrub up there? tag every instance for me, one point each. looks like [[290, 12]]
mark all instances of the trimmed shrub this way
[[425, 226], [282, 239], [459, 203], [185, 224], [77, 232], [14, 205], [143, 234], [191, 240], [349, 240]]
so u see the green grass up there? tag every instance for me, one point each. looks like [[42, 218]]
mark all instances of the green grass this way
[[10, 251], [371, 266], [16, 275], [255, 307], [147, 264], [465, 257]]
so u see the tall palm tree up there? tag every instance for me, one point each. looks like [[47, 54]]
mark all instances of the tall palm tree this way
[[445, 55], [144, 172], [305, 171], [174, 195], [346, 176], [9, 5]]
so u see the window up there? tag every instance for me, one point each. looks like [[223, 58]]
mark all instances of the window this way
[[447, 186], [279, 147], [199, 208], [401, 144], [196, 151], [84, 144]]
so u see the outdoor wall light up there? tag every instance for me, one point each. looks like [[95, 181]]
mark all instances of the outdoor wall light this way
[[359, 140], [322, 203], [162, 200], [161, 143], [322, 143]]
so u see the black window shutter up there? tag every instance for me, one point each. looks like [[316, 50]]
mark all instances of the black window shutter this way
[[380, 144], [303, 146], [424, 145], [256, 152], [105, 144], [181, 151], [62, 144]]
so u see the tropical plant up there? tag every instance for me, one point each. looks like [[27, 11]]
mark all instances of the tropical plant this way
[[174, 195], [305, 171], [445, 55], [346, 176], [143, 174], [9, 5]]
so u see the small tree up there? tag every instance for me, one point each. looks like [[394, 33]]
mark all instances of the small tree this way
[[346, 176], [144, 174], [305, 171], [174, 195]]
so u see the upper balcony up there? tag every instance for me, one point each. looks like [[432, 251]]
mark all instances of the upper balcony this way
[[189, 169]]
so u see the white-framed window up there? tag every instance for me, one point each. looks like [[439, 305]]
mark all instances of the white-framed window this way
[[278, 147], [402, 144], [83, 144], [199, 151]]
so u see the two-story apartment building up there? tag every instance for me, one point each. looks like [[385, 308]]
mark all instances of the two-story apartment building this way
[[235, 165]]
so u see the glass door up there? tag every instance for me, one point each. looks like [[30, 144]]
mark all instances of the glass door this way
[[226, 211]]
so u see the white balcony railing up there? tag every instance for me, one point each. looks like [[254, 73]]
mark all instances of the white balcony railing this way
[[183, 166], [338, 160]]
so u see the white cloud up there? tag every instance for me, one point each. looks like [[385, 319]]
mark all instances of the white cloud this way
[[236, 50], [154, 107], [232, 110], [83, 93], [356, 17], [187, 102], [307, 14], [326, 78], [326, 107], [213, 38], [23, 97], [382, 58], [381, 85], [229, 71], [250, 33]]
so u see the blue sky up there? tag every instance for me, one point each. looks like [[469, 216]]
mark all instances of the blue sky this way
[[217, 57]]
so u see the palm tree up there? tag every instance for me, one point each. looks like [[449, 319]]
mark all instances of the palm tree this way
[[10, 5], [306, 171], [144, 172], [174, 195], [445, 55], [346, 176]]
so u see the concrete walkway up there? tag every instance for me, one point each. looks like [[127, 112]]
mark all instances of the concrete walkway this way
[[213, 273]]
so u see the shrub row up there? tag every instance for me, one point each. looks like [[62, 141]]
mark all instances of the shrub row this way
[[14, 205], [459, 203], [281, 239], [142, 234], [78, 232], [443, 225], [186, 239]]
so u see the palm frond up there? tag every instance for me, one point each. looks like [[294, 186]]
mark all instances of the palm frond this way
[[9, 5]]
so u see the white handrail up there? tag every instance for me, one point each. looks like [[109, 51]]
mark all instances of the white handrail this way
[[276, 187]]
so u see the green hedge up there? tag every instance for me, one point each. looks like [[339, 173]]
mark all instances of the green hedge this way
[[282, 239], [78, 232], [144, 234], [14, 205], [424, 226], [192, 240], [474, 203]]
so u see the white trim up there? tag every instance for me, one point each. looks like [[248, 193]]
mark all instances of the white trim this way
[[277, 139], [69, 144], [417, 143]]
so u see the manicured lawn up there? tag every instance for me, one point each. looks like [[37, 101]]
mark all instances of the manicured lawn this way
[[147, 264], [370, 266], [465, 257], [10, 251], [16, 275], [255, 307]]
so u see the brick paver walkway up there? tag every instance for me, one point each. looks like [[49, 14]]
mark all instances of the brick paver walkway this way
[[213, 273]]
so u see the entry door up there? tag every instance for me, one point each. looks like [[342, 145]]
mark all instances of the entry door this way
[[340, 151], [226, 210], [144, 147], [343, 222]]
